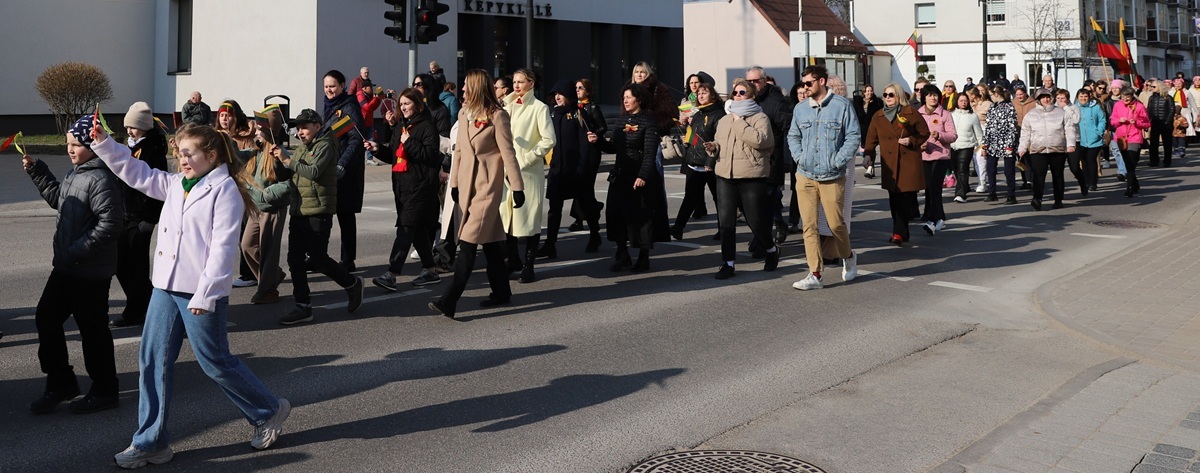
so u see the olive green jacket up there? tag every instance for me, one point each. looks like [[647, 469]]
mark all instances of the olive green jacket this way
[[315, 178]]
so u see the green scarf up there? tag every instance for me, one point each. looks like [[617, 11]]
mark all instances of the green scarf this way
[[188, 184]]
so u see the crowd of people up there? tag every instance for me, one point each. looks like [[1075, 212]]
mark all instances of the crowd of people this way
[[484, 171]]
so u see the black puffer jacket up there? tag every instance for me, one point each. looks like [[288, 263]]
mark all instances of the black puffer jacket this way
[[415, 190], [600, 129], [440, 114], [352, 158], [779, 112], [91, 215], [704, 125], [140, 209], [1161, 110]]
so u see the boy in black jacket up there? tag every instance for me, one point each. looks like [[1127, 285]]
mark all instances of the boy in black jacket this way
[[91, 214]]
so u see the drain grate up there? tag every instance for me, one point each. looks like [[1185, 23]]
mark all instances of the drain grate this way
[[723, 461], [1129, 224]]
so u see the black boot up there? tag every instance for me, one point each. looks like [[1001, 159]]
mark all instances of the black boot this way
[[621, 259], [643, 261], [513, 254], [531, 252], [593, 244], [547, 250]]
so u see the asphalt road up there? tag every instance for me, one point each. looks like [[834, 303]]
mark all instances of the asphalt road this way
[[587, 371]]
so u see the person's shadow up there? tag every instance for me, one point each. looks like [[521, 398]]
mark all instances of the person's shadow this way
[[504, 411]]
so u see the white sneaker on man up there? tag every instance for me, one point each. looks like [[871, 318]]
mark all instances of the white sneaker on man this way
[[980, 189], [132, 458], [811, 282], [239, 282], [850, 267], [960, 199]]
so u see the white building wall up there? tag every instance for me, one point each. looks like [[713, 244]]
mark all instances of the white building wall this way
[[724, 38], [117, 37]]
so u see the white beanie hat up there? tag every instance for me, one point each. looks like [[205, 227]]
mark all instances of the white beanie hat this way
[[139, 116]]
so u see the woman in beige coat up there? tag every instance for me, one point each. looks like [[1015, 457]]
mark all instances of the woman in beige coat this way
[[533, 137], [743, 145], [484, 162]]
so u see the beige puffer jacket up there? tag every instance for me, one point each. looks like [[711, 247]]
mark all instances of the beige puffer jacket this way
[[744, 147], [1046, 130]]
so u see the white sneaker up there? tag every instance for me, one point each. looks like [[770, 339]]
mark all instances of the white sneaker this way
[[132, 458], [811, 282], [980, 189], [239, 282], [929, 228], [414, 255], [268, 433], [939, 225], [1104, 164], [850, 267], [960, 199]]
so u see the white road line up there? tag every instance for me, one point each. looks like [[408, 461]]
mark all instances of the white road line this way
[[378, 209], [877, 248], [1019, 227], [868, 211], [965, 287], [864, 272], [384, 297], [565, 264], [1093, 235], [968, 221], [684, 244]]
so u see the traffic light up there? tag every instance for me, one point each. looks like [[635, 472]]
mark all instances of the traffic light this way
[[427, 27], [399, 17]]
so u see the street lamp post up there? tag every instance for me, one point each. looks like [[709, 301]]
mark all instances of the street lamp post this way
[[983, 3]]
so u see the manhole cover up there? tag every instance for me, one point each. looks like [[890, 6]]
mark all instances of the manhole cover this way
[[724, 461], [1124, 224]]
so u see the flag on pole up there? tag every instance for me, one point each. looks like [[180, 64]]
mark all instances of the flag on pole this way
[[341, 126], [1105, 47], [162, 125], [12, 140], [912, 41], [1124, 45]]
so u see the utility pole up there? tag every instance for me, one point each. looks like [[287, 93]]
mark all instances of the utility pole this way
[[529, 34], [412, 44]]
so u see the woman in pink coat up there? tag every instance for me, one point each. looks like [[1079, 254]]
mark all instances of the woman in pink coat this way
[[935, 155], [1129, 118], [198, 234]]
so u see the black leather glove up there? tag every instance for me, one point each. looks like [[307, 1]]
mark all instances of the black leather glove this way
[[518, 199], [454, 194]]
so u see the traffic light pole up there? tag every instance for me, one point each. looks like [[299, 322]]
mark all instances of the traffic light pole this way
[[412, 44]]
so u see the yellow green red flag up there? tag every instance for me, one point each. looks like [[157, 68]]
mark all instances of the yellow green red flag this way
[[341, 126], [12, 141], [100, 118]]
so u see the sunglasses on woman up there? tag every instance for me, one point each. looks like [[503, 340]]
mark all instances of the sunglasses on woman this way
[[888, 95], [739, 92]]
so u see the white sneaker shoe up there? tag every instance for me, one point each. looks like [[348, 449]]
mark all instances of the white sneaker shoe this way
[[239, 282], [939, 225], [132, 458], [811, 282], [929, 228], [960, 199], [980, 189], [850, 267], [268, 433]]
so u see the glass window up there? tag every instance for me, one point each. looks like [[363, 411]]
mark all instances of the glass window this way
[[925, 15], [996, 12], [182, 60]]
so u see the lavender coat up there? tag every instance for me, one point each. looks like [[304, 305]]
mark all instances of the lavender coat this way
[[197, 236]]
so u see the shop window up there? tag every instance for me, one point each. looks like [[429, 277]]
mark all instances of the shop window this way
[[996, 12], [181, 37]]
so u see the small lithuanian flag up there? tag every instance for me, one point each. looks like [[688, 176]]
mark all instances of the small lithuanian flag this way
[[341, 126]]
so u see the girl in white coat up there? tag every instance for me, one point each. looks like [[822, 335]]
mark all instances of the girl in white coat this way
[[533, 138], [198, 234]]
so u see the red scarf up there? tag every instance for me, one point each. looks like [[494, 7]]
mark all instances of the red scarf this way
[[401, 157]]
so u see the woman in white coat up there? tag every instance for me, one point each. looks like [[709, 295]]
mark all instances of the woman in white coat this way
[[533, 138]]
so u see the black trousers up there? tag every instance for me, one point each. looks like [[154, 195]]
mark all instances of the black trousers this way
[[1083, 165], [794, 205], [348, 224], [497, 271], [751, 195], [693, 195], [901, 207], [1160, 132], [962, 159], [308, 237], [1130, 156], [133, 271], [1038, 163], [87, 300], [1010, 168], [935, 174], [409, 237], [555, 212]]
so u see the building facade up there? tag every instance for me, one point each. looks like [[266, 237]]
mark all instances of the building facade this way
[[159, 51], [1027, 38]]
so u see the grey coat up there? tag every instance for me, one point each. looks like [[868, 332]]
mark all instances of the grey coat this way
[[91, 215]]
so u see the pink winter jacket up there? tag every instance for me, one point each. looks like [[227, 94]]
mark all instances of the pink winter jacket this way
[[943, 123], [1136, 114], [198, 232]]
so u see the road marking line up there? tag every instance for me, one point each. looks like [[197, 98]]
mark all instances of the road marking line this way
[[965, 287], [378, 209], [1093, 235], [968, 221], [864, 272], [565, 264], [684, 244], [384, 297], [1019, 227]]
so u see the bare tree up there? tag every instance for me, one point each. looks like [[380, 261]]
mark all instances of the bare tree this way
[[1047, 25], [72, 89], [841, 8]]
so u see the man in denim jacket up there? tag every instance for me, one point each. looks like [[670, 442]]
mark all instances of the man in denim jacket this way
[[823, 139]]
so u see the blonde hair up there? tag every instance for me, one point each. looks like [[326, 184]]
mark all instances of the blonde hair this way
[[837, 85], [901, 95], [644, 66], [479, 101], [751, 90], [220, 144]]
